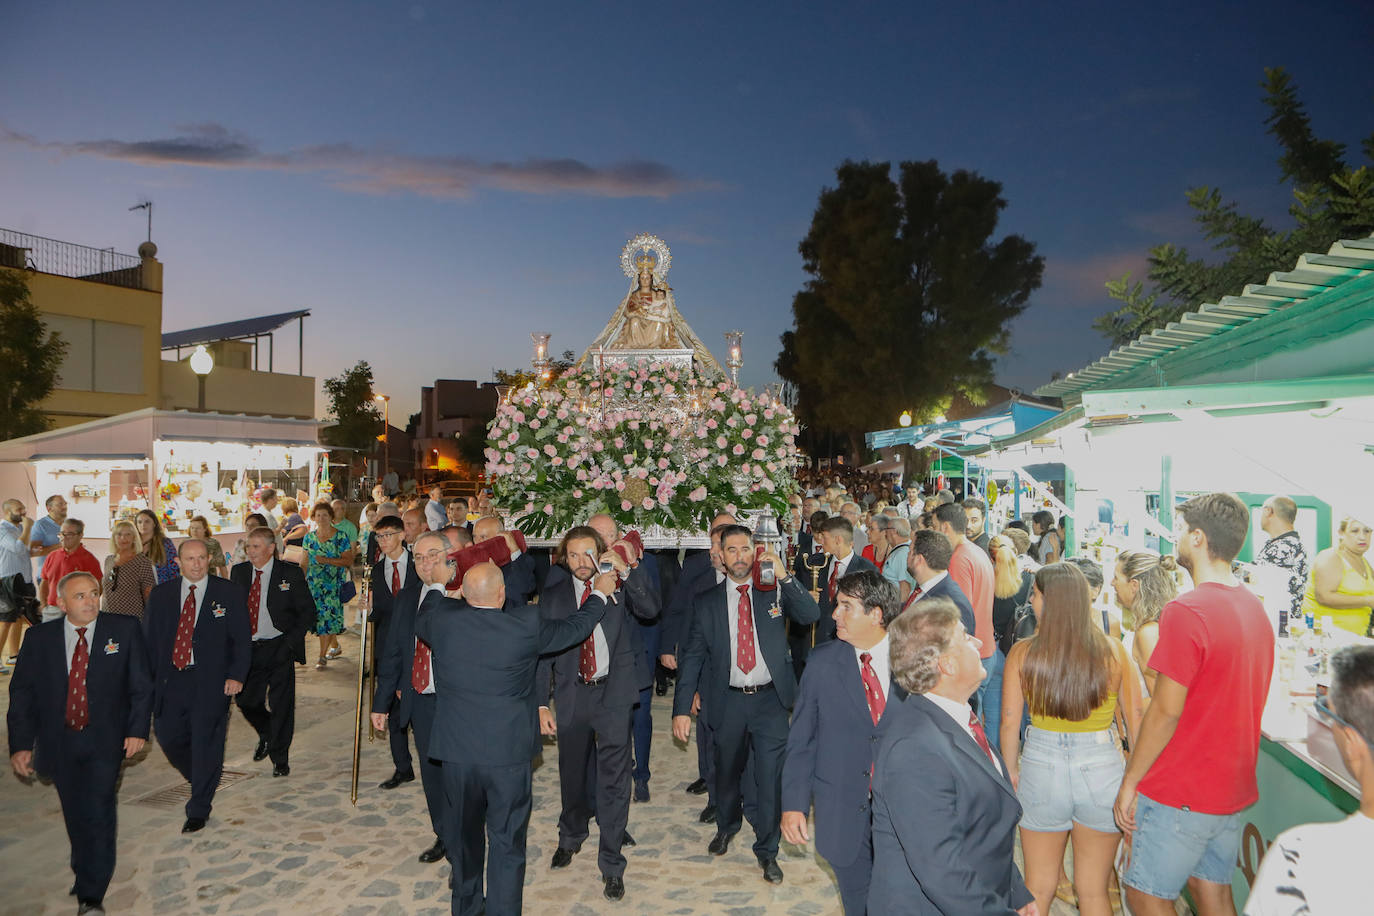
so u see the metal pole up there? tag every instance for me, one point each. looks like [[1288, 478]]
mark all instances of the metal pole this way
[[358, 714], [1166, 500], [300, 345], [386, 438], [200, 395]]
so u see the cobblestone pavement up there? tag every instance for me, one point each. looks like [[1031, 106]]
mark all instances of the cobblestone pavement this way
[[296, 845]]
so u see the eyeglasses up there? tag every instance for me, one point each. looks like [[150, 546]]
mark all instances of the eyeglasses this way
[[432, 556], [1323, 705], [388, 534]]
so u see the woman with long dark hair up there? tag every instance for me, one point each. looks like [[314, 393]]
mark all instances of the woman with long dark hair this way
[[157, 546], [1071, 675]]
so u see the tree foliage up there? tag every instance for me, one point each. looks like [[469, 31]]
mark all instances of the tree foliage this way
[[1331, 201], [519, 378], [30, 359], [357, 417], [908, 299]]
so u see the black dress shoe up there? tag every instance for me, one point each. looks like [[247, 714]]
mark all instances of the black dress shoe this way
[[771, 873], [698, 787], [641, 791], [661, 688], [627, 840], [89, 906], [397, 778], [281, 769], [720, 844], [261, 752], [435, 852], [615, 887], [193, 824], [562, 856], [708, 815]]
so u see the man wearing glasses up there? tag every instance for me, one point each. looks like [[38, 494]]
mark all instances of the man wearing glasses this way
[[391, 576], [69, 557], [1316, 868]]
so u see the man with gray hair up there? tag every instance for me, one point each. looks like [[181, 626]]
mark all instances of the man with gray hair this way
[[850, 510], [932, 749], [1284, 548], [898, 531]]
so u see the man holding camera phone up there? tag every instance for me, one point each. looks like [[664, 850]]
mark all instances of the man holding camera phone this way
[[596, 684]]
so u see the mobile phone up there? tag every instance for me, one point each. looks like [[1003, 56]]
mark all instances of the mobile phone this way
[[766, 574], [602, 566]]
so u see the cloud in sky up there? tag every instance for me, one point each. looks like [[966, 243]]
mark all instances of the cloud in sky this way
[[1082, 281], [379, 172]]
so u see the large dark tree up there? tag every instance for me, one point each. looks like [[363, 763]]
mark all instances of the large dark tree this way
[[30, 359], [909, 297], [357, 417], [1331, 201]]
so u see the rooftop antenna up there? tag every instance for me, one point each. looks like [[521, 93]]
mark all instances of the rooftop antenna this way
[[146, 205]]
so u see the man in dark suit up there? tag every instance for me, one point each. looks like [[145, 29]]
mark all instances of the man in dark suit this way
[[928, 563], [391, 575], [405, 694], [595, 687], [842, 698], [737, 657], [280, 612], [837, 536], [519, 574], [197, 633], [944, 813], [486, 729], [79, 704], [645, 605]]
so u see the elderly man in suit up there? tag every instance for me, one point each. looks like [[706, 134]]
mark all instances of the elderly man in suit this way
[[280, 612], [200, 649], [391, 575], [519, 573], [944, 812], [595, 687], [486, 729], [737, 657], [79, 704], [846, 688], [928, 563], [406, 693]]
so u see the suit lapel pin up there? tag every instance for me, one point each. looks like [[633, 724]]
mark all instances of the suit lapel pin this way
[[775, 611], [217, 610], [111, 647], [285, 587]]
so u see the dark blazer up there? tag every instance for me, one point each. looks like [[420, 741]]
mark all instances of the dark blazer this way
[[830, 750], [948, 588], [705, 663], [697, 575], [289, 602], [397, 658], [119, 692], [628, 674], [825, 627], [381, 587], [223, 645], [944, 820], [484, 667], [521, 582]]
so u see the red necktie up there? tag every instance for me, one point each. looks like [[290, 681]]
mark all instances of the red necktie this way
[[395, 577], [915, 593], [419, 672], [981, 737], [78, 713], [254, 599], [873, 690], [834, 576], [744, 650], [186, 629], [586, 659]]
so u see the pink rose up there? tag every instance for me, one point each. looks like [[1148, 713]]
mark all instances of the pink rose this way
[[626, 505], [751, 419], [557, 460], [721, 442], [720, 460], [738, 449], [762, 440], [757, 454], [548, 509], [577, 494], [697, 495], [648, 445], [648, 502], [663, 464], [711, 423], [550, 449]]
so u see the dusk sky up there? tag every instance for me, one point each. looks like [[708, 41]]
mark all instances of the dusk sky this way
[[437, 180]]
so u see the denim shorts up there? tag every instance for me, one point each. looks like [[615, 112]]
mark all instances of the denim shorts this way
[[1172, 844], [1070, 778]]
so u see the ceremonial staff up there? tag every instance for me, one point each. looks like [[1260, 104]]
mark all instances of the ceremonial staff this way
[[815, 571], [366, 677]]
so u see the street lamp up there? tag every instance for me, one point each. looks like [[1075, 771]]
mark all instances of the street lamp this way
[[201, 364], [905, 419], [386, 431]]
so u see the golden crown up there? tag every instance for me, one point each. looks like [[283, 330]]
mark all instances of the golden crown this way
[[646, 259]]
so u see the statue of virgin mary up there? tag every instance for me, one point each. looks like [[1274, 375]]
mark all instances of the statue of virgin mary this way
[[647, 318]]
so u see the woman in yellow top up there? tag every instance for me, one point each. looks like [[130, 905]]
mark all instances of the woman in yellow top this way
[[1071, 675], [1342, 583]]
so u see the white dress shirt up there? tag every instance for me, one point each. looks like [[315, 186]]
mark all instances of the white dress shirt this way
[[961, 713], [266, 629], [930, 583], [599, 644], [879, 661], [399, 564], [760, 675], [69, 633], [200, 604]]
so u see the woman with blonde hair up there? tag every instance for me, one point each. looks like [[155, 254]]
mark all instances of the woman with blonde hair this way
[[1071, 676], [129, 575], [1011, 584], [1144, 582], [1341, 585]]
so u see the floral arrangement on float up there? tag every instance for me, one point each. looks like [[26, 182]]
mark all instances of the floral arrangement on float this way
[[648, 442]]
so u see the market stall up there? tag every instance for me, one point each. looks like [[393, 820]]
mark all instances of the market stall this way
[[180, 464]]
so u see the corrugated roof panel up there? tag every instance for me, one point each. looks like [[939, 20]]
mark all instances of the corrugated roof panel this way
[[229, 330]]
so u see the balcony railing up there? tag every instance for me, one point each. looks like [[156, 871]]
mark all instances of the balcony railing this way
[[67, 259]]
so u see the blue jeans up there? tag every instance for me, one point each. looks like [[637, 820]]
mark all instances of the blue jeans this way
[[990, 695], [1171, 845]]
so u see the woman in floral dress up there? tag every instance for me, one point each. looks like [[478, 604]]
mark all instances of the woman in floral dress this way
[[330, 563]]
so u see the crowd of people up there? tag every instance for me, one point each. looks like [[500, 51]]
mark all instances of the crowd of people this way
[[903, 687]]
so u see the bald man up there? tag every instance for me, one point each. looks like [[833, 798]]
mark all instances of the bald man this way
[[486, 730], [519, 572]]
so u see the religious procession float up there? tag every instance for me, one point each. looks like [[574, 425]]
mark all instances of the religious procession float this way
[[646, 426]]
